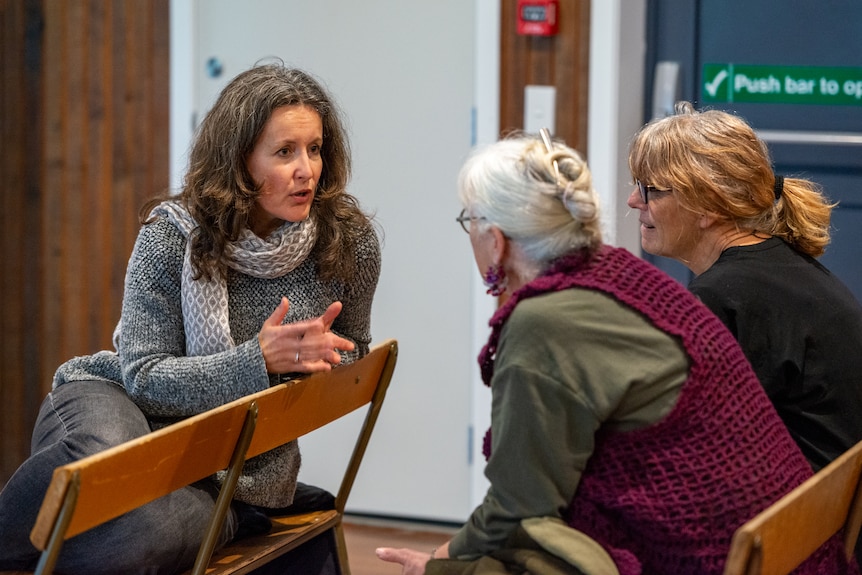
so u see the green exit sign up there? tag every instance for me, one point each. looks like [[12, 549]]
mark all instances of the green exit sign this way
[[782, 84]]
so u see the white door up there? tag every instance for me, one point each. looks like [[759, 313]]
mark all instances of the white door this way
[[403, 73]]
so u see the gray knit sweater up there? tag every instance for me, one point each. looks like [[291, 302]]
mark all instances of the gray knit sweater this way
[[167, 385]]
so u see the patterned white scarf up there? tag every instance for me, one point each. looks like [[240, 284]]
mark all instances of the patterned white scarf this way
[[205, 303]]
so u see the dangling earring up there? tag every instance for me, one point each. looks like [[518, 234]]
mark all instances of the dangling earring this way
[[495, 280]]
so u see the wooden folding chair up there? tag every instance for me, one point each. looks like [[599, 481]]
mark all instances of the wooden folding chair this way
[[96, 489], [785, 534], [103, 486], [302, 407]]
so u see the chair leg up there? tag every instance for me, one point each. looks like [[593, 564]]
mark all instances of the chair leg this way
[[341, 546], [225, 495]]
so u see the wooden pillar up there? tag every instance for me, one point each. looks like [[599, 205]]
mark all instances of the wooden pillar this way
[[561, 61], [84, 133]]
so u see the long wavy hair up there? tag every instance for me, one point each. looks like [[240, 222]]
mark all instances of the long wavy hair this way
[[713, 161], [220, 193]]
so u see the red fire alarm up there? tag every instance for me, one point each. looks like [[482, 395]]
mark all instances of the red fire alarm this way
[[537, 17]]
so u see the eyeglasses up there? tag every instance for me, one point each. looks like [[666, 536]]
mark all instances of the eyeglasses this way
[[646, 190], [464, 219]]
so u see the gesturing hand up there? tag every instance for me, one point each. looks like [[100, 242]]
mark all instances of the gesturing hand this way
[[305, 346]]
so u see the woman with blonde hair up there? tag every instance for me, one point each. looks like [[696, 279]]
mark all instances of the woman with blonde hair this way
[[708, 197]]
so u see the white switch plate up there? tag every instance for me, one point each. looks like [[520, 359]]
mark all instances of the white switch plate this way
[[666, 88], [539, 108]]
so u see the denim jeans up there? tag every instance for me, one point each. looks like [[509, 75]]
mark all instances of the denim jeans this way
[[76, 420]]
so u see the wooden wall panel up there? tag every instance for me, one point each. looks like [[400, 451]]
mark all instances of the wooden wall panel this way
[[84, 120], [20, 225], [561, 61]]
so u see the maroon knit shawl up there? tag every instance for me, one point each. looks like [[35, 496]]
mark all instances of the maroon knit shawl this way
[[667, 498]]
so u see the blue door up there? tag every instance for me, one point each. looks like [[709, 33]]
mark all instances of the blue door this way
[[793, 70]]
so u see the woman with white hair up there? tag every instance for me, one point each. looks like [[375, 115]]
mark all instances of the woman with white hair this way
[[628, 432]]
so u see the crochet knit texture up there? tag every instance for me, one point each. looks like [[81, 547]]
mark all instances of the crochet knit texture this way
[[667, 498]]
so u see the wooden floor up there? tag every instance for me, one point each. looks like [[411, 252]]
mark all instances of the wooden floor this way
[[363, 536]]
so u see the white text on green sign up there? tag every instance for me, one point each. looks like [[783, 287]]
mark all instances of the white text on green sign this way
[[833, 86]]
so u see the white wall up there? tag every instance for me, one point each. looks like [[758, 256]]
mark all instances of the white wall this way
[[405, 78], [182, 93], [419, 86], [487, 98], [617, 50]]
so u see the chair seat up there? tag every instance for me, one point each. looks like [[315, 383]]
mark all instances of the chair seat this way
[[287, 533]]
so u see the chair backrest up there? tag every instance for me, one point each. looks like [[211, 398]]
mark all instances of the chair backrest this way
[[107, 484], [785, 534], [321, 398], [98, 488]]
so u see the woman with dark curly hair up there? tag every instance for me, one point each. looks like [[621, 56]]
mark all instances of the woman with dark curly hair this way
[[262, 268]]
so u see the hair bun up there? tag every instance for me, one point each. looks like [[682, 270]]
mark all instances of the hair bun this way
[[580, 203]]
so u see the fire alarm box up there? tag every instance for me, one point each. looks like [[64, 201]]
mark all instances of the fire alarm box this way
[[537, 17]]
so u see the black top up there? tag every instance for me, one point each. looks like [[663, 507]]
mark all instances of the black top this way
[[801, 328]]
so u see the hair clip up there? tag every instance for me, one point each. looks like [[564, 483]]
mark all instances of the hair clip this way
[[549, 146]]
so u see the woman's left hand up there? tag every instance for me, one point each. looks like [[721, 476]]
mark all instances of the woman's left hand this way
[[412, 562]]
